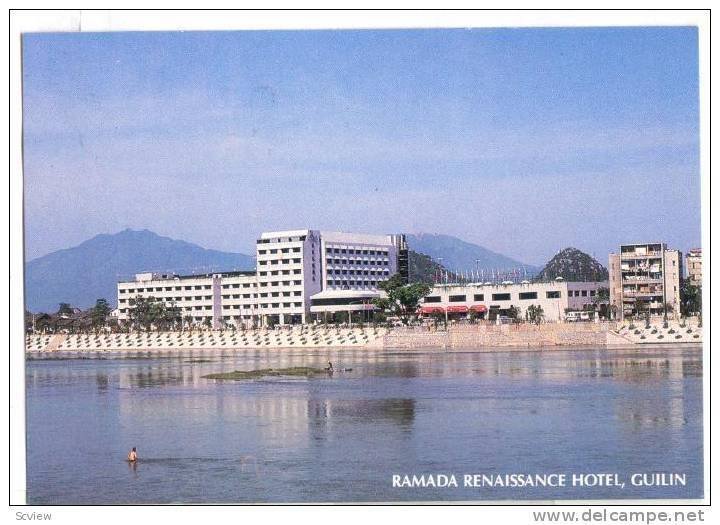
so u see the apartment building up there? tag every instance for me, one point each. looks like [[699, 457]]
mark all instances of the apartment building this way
[[300, 275], [490, 300], [645, 278], [693, 263]]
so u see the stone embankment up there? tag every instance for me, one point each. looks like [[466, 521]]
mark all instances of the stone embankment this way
[[297, 337], [476, 336], [510, 335], [658, 333]]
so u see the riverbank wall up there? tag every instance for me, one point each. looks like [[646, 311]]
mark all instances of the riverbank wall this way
[[510, 335], [470, 336]]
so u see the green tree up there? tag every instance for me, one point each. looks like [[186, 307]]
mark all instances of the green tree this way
[[401, 299], [690, 298], [513, 313], [99, 313], [602, 301], [144, 313], [535, 313]]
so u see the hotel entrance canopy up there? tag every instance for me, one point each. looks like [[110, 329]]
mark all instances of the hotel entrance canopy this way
[[343, 300]]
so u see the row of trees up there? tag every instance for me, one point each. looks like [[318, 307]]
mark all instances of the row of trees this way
[[70, 319]]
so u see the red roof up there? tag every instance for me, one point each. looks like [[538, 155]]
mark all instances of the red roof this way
[[432, 310], [457, 309]]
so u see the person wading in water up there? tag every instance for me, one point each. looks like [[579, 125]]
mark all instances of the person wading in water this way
[[132, 455]]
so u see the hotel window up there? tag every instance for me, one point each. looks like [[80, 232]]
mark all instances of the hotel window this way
[[262, 252], [479, 297], [432, 299], [584, 293], [457, 298], [501, 297], [527, 295], [295, 260], [553, 294]]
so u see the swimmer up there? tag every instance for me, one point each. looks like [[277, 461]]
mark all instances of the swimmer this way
[[132, 455]]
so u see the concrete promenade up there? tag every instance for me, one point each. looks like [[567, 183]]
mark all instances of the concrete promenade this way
[[465, 336]]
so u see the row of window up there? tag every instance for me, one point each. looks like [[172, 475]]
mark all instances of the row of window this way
[[581, 293], [358, 272], [357, 251], [523, 296], [277, 305], [296, 249], [284, 294], [354, 283], [282, 239], [176, 299], [295, 260], [281, 283], [296, 271], [166, 288], [359, 262], [184, 309]]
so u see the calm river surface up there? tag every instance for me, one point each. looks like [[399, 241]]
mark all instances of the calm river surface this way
[[342, 438]]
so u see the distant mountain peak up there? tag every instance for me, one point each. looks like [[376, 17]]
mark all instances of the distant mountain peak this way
[[573, 265], [459, 255], [84, 273]]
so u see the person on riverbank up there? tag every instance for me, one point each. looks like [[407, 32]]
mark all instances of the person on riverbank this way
[[132, 455]]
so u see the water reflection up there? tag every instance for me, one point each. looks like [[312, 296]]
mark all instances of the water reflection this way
[[339, 438]]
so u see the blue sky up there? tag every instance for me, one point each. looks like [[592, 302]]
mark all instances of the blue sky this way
[[522, 140]]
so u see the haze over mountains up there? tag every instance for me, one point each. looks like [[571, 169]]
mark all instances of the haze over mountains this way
[[82, 274], [86, 272], [458, 255]]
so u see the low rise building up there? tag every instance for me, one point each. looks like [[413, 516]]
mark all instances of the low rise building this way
[[215, 298], [488, 301]]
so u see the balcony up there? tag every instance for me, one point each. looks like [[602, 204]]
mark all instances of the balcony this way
[[648, 255]]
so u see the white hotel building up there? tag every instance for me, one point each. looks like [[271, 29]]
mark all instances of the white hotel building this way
[[485, 299], [300, 275]]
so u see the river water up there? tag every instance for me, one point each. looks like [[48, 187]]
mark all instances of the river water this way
[[342, 438]]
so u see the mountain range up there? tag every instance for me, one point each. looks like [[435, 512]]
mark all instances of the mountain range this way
[[82, 274], [89, 271], [458, 255]]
